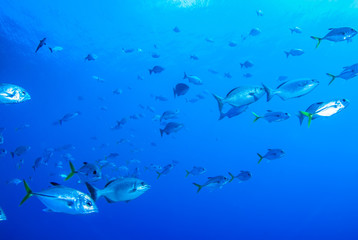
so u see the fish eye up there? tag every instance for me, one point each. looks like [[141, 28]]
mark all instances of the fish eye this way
[[94, 172], [142, 183], [89, 204], [23, 92]]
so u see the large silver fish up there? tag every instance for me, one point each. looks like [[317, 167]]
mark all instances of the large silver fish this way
[[292, 89], [119, 190], [337, 35], [63, 199], [10, 93]]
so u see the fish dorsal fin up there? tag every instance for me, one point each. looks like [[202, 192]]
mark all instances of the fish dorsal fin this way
[[281, 85], [110, 182], [109, 200], [56, 184], [231, 92], [269, 110]]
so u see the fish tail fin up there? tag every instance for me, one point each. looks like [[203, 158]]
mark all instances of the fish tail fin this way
[[159, 174], [309, 115], [291, 29], [150, 71], [257, 117], [300, 117], [287, 54], [220, 102], [93, 191], [50, 49], [161, 132], [222, 115], [261, 157], [232, 176], [12, 154], [28, 192], [333, 78], [269, 92], [199, 187], [318, 39], [187, 173], [73, 171], [185, 76]]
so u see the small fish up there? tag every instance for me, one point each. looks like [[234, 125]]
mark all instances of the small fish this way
[[192, 100], [90, 57], [67, 117], [292, 89], [254, 32], [169, 115], [246, 64], [118, 91], [345, 74], [176, 29], [63, 200], [294, 52], [41, 44], [273, 116], [337, 35], [232, 44], [38, 162], [15, 181], [98, 79], [155, 55], [57, 49], [2, 215], [325, 109], [3, 152], [128, 50], [87, 173], [180, 89], [242, 176], [213, 182], [156, 69], [20, 151], [119, 190], [272, 154], [195, 171], [194, 57], [240, 96], [259, 13], [247, 75], [166, 169], [111, 156], [233, 112], [193, 79], [209, 40], [296, 30], [161, 98], [119, 124], [227, 75], [171, 127], [213, 71], [10, 93]]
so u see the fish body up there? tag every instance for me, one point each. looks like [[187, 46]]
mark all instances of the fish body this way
[[273, 116], [292, 89], [346, 74], [294, 52], [3, 152], [233, 112], [193, 79], [120, 190], [272, 154], [337, 35], [254, 32], [87, 173], [68, 117], [194, 57], [10, 93], [246, 64], [63, 200], [296, 30], [41, 44], [180, 89], [166, 169], [242, 176], [169, 115], [156, 69], [247, 75], [213, 182], [195, 171], [170, 128], [90, 57], [161, 98], [20, 151]]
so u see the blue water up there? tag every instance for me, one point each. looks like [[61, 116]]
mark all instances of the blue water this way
[[310, 193]]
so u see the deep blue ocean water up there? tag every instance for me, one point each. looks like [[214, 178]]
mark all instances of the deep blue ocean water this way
[[310, 193]]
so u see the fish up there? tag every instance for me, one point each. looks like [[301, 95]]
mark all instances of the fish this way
[[192, 100], [57, 49], [111, 156], [195, 171], [233, 112], [254, 32], [176, 29], [20, 151], [156, 69], [3, 152], [161, 98], [90, 57], [15, 181], [240, 96], [194, 57], [246, 64], [325, 109], [213, 182], [41, 44], [337, 35], [193, 79], [213, 71], [259, 13], [119, 190], [88, 172], [155, 55], [292, 89], [295, 30], [232, 44], [170, 128], [166, 169], [38, 161], [119, 124], [10, 93], [209, 40], [294, 52], [180, 89], [247, 75], [271, 116], [272, 154], [63, 199], [128, 50], [169, 115], [227, 75], [242, 176], [345, 74], [118, 91], [2, 215], [99, 79], [69, 116]]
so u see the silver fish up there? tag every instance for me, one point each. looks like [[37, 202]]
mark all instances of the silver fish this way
[[337, 35], [242, 176], [10, 93], [213, 182]]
